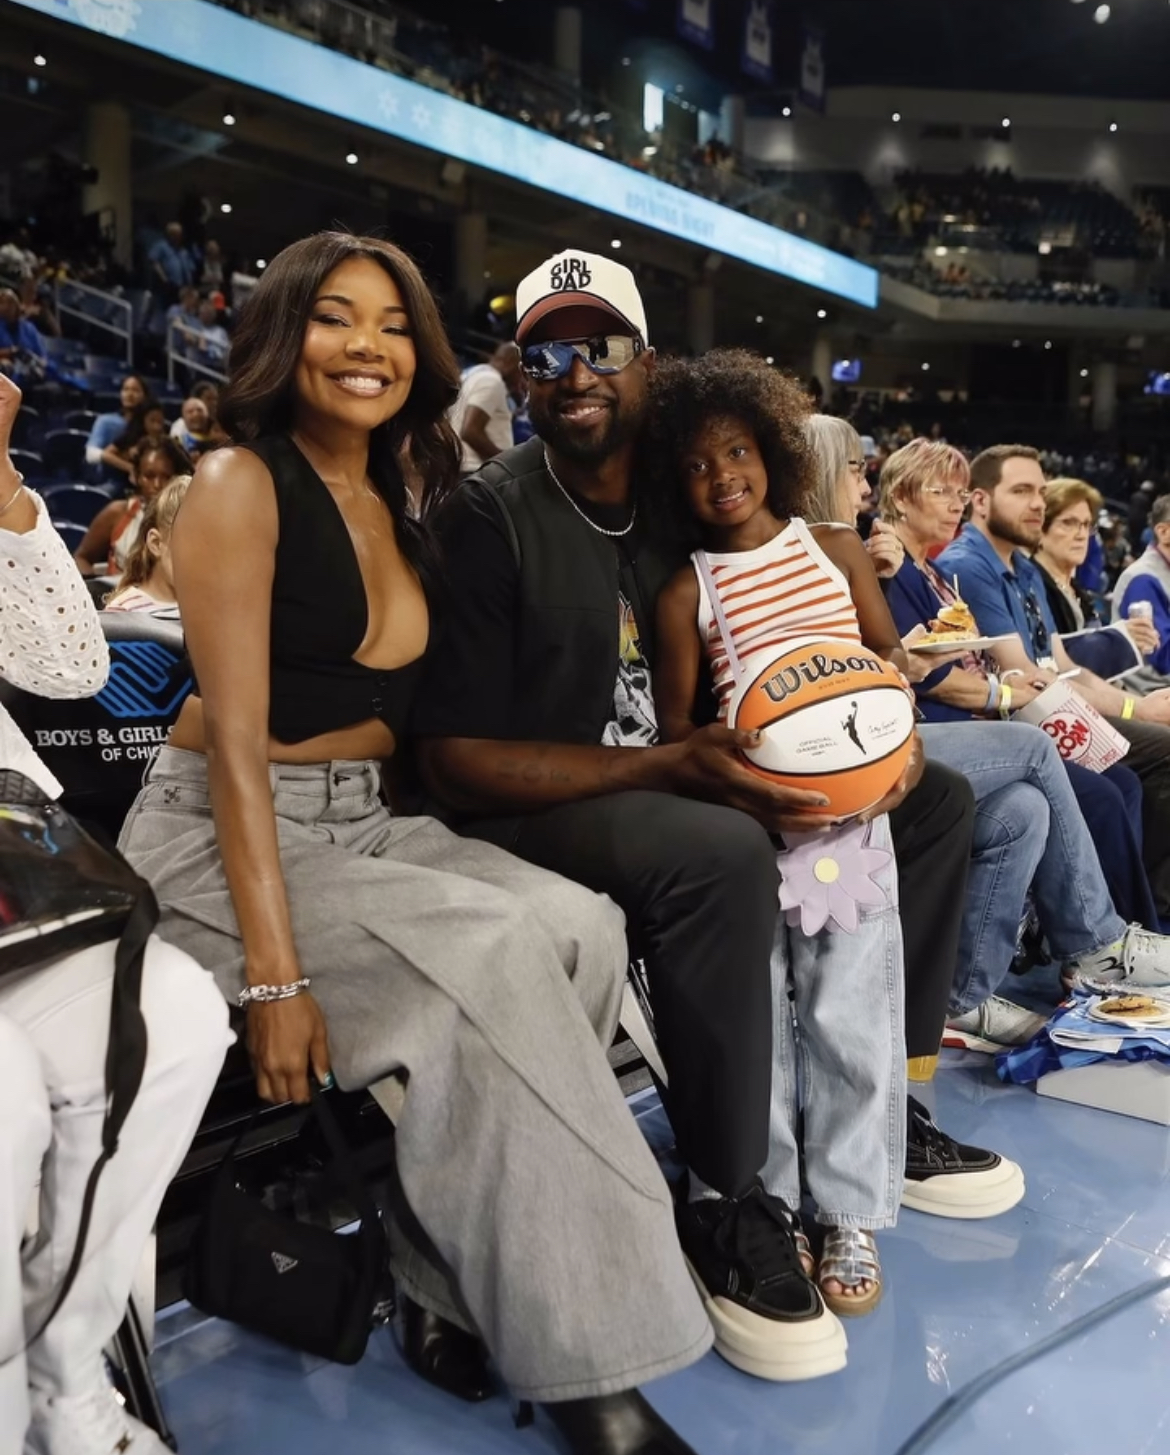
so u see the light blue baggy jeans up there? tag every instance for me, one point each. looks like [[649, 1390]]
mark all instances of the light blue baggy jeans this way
[[1029, 831], [840, 1055]]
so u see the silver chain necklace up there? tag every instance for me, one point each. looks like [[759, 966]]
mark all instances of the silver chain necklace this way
[[600, 529]]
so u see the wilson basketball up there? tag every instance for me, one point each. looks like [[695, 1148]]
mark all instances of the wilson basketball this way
[[835, 718]]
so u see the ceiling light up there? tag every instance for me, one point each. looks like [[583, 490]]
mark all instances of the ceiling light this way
[[261, 264], [1084, 373], [926, 368], [769, 360], [615, 242], [39, 61], [759, 318], [625, 60], [787, 111], [940, 252], [1017, 343], [228, 119], [1102, 14], [351, 158], [821, 313], [225, 206], [1006, 122], [1047, 343], [1113, 126], [897, 116]]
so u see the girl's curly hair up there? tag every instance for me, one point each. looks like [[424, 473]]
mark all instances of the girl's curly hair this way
[[687, 394]]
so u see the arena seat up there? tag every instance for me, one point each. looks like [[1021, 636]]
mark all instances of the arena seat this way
[[71, 533], [75, 504], [64, 452], [30, 463], [26, 431]]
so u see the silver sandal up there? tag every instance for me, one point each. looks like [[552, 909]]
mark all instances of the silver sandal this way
[[850, 1258]]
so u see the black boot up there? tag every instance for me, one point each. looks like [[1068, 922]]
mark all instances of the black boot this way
[[615, 1424], [442, 1353]]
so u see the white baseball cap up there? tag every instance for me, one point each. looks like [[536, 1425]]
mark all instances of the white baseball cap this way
[[580, 280]]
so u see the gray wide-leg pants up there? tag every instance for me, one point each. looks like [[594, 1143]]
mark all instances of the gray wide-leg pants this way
[[493, 987]]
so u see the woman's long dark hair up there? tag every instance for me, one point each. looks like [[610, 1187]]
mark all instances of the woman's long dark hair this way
[[259, 398]]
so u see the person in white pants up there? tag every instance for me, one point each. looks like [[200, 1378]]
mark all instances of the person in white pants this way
[[55, 1398]]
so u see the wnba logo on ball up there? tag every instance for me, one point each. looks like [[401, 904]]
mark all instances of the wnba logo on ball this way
[[816, 669]]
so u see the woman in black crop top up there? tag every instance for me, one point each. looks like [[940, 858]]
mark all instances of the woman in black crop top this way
[[365, 945]]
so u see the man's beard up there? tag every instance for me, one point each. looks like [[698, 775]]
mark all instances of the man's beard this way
[[593, 447], [1018, 535]]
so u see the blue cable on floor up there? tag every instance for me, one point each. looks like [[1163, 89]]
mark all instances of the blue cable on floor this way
[[954, 1405]]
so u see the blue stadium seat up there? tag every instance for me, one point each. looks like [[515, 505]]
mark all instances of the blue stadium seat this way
[[26, 429], [64, 452], [30, 464], [79, 419], [77, 504], [71, 534]]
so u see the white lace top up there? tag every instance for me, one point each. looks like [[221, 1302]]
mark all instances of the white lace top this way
[[51, 641]]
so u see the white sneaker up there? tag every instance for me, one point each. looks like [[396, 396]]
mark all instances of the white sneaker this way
[[93, 1423], [1139, 958], [993, 1025]]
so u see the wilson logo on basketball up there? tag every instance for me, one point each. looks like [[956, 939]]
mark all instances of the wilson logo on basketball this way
[[817, 669]]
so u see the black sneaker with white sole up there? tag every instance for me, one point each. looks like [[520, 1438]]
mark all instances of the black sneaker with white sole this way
[[768, 1314], [951, 1180]]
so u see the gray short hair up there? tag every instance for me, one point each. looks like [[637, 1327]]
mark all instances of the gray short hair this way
[[833, 442]]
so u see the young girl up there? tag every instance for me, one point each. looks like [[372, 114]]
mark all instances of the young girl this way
[[147, 583], [115, 529], [729, 450]]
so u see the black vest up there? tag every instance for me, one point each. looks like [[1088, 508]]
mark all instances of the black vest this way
[[569, 625]]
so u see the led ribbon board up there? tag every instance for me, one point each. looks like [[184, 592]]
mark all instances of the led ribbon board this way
[[249, 53]]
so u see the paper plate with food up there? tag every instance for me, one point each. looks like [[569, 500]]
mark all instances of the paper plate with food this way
[[954, 629], [1134, 1011]]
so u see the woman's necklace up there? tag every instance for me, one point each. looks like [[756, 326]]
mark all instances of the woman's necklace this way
[[600, 529]]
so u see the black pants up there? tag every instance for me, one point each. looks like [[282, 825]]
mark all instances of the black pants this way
[[932, 833], [1149, 757], [698, 886]]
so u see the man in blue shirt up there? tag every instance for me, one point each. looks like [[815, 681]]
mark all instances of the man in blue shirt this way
[[19, 340], [1148, 580], [1006, 597], [171, 267]]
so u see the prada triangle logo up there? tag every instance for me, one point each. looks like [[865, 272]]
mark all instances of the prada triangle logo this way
[[283, 1263]]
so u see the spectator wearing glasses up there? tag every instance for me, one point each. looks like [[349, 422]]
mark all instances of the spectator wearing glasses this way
[[1020, 784], [1005, 591], [842, 487]]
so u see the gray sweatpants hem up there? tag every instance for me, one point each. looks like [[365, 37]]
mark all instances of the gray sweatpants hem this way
[[626, 1379]]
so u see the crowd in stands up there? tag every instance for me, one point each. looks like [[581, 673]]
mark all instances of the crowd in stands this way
[[955, 280], [362, 943]]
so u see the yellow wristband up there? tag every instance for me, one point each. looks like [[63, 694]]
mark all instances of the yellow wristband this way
[[1127, 708], [1005, 699]]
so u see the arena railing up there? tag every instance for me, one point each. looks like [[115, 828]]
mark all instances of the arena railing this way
[[99, 309], [177, 359]]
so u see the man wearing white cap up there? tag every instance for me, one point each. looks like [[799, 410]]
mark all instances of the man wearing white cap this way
[[558, 731], [537, 727]]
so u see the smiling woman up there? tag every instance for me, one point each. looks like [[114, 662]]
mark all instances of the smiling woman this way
[[366, 944]]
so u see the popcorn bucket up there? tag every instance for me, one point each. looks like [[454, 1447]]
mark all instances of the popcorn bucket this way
[[1079, 731]]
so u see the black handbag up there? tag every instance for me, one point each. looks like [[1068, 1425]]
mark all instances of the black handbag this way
[[303, 1286], [61, 891]]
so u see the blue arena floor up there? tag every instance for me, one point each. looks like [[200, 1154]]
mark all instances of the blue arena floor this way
[[960, 1298]]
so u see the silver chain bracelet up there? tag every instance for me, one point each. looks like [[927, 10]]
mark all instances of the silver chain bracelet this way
[[264, 994]]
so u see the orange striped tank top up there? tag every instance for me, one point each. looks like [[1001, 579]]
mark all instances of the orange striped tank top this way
[[787, 588]]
